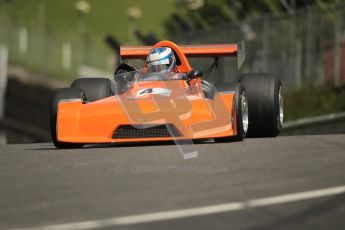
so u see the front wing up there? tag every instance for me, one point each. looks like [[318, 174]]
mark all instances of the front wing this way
[[114, 120]]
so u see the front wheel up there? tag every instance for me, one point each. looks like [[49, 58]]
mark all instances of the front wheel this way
[[265, 98], [94, 88]]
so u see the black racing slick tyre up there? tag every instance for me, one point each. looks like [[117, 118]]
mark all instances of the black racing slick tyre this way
[[265, 99], [241, 115], [58, 95], [94, 88]]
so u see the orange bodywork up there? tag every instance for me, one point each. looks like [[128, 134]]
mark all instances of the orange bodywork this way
[[173, 103]]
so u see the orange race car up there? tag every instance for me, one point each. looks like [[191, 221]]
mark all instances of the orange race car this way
[[166, 100]]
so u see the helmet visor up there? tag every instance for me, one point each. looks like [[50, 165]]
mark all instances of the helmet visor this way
[[158, 68]]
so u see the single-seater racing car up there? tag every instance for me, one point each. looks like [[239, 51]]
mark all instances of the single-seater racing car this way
[[166, 99]]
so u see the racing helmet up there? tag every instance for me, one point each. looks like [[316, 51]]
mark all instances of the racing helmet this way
[[161, 59]]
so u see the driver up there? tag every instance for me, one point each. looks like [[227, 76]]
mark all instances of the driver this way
[[162, 59]]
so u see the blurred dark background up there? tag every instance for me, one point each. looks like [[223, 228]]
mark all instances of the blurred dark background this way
[[45, 44]]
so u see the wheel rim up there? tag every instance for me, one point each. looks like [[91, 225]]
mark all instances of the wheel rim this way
[[281, 107], [244, 108]]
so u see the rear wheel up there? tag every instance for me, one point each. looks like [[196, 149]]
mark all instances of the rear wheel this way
[[58, 95], [241, 117], [265, 99], [94, 88]]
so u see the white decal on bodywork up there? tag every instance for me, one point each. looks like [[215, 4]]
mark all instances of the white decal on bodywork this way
[[159, 91]]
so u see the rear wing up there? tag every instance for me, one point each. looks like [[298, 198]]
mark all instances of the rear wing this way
[[197, 51]]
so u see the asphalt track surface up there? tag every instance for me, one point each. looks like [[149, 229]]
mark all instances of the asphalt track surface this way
[[42, 186]]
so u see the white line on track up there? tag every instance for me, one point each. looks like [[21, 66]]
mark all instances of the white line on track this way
[[199, 211]]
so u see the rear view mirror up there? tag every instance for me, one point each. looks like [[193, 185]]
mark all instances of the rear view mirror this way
[[194, 74], [123, 76]]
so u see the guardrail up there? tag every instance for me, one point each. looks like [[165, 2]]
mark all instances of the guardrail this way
[[23, 132], [333, 123]]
